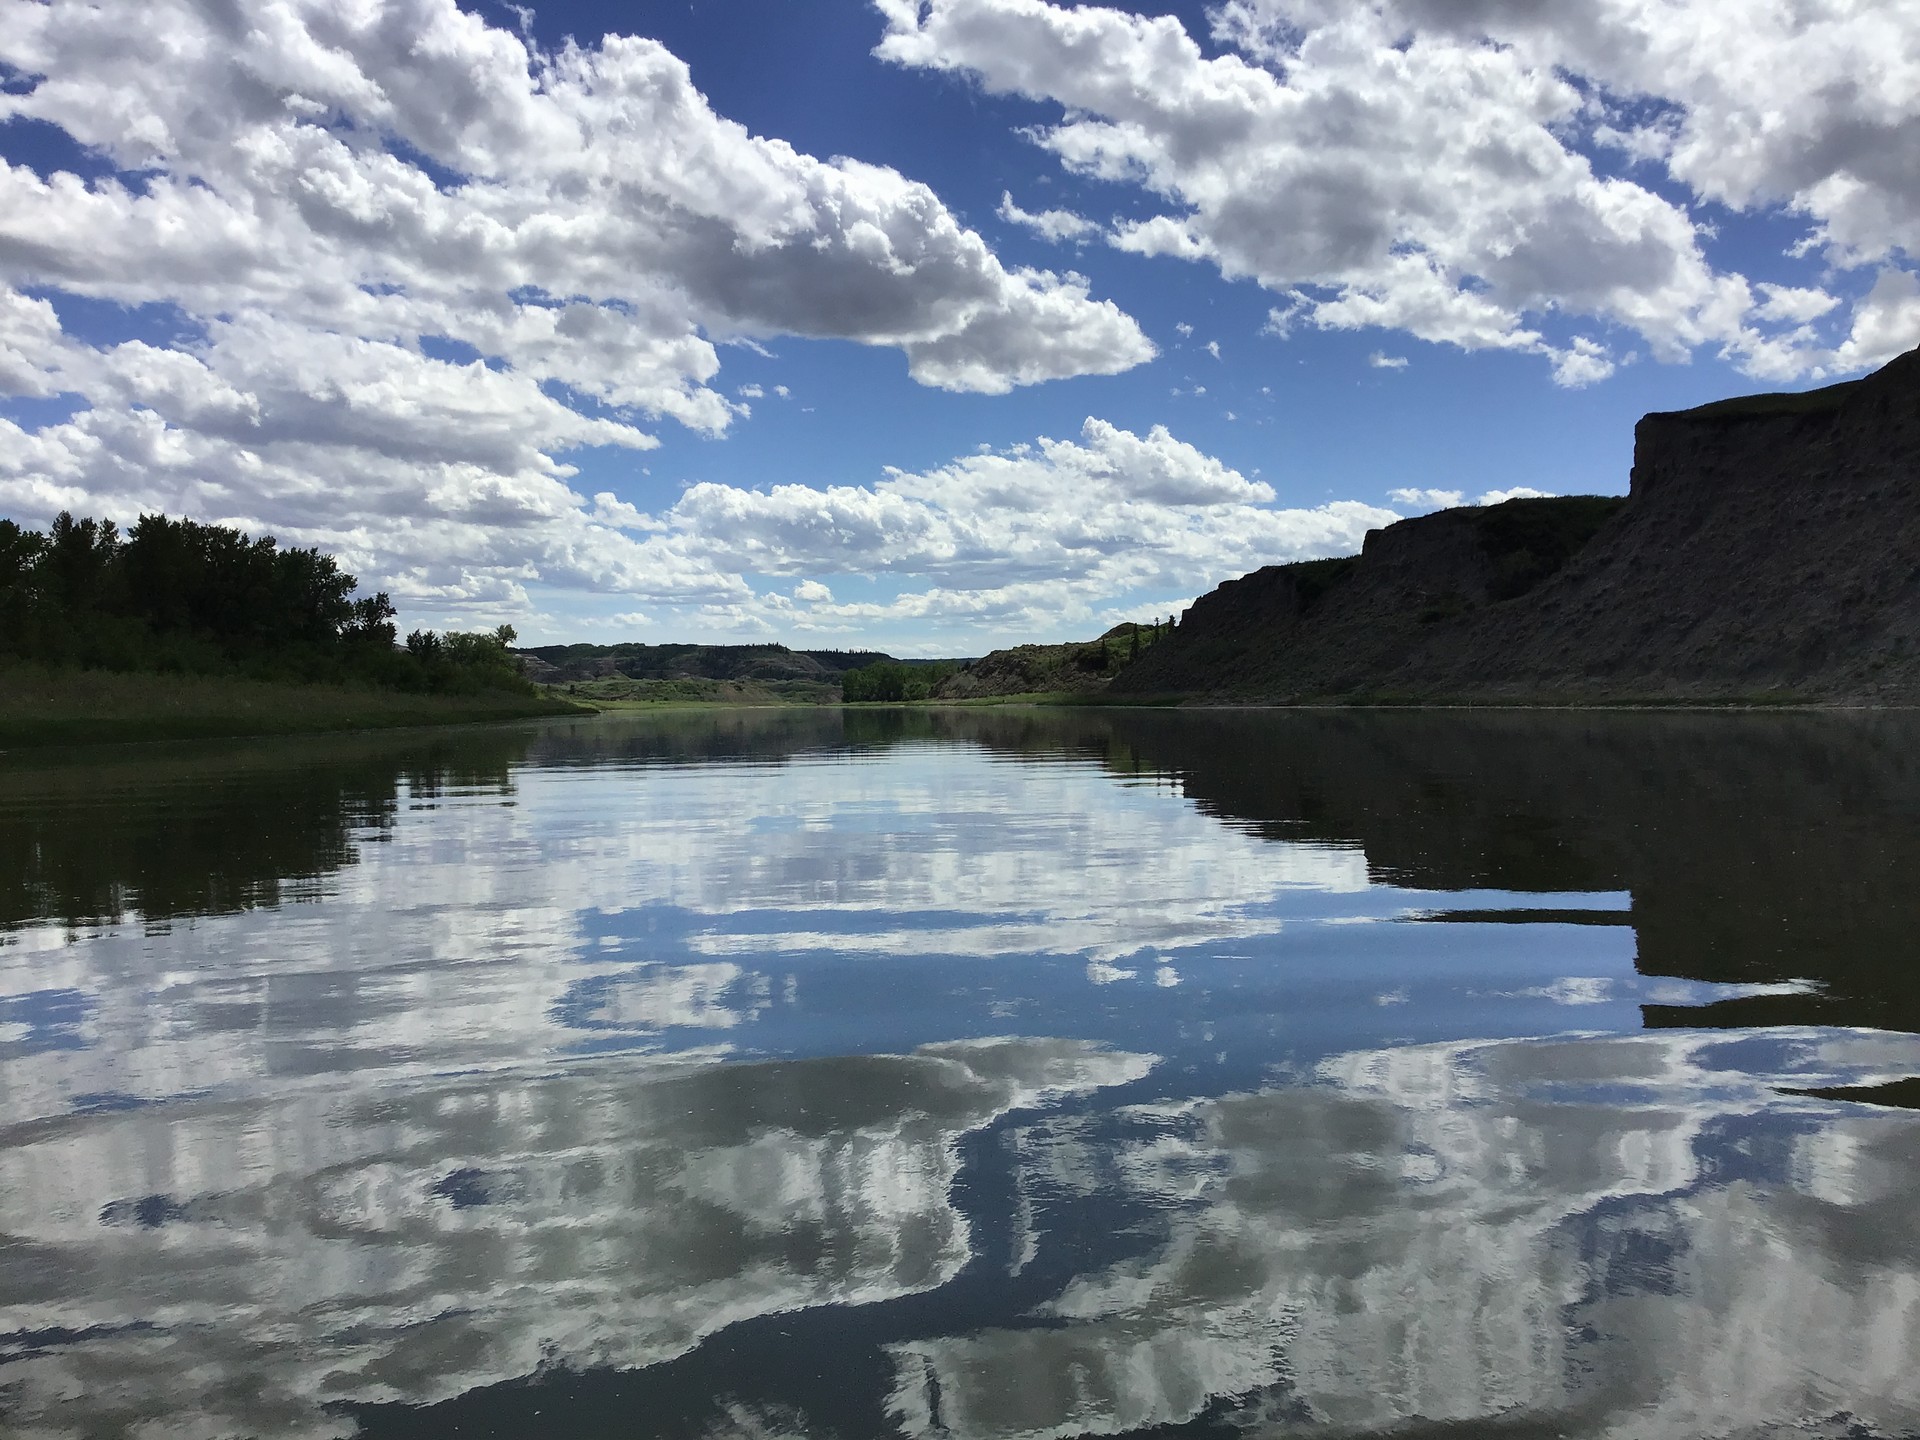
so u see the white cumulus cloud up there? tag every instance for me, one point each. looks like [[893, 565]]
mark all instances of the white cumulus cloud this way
[[1055, 225], [1431, 166], [416, 260], [1429, 499], [1028, 539]]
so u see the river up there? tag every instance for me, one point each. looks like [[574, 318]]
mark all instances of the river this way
[[972, 1073]]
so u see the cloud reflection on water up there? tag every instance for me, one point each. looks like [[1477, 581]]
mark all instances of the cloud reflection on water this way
[[239, 1265], [1622, 1237], [661, 907], [446, 1081]]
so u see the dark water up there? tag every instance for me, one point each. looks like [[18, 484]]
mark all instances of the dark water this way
[[972, 1074]]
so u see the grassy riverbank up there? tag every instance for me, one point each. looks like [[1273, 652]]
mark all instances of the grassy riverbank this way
[[66, 707], [620, 692]]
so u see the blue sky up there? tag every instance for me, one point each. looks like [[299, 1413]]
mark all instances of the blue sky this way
[[929, 325]]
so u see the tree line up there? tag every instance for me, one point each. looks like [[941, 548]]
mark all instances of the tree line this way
[[889, 680], [180, 596]]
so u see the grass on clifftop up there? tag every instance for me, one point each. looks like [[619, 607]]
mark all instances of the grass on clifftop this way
[[72, 707], [1823, 401]]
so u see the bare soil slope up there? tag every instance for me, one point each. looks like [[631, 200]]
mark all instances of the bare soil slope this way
[[1770, 549]]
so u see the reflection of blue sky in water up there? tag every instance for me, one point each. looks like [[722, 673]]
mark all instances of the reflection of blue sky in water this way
[[823, 906], [478, 1105]]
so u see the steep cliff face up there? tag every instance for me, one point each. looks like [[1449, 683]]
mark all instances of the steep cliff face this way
[[1356, 625], [1770, 548]]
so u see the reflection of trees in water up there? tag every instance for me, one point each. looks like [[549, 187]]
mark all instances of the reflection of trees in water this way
[[201, 830], [166, 832], [1756, 847]]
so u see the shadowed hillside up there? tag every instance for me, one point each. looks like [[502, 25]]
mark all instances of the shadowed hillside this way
[[554, 664], [1769, 550]]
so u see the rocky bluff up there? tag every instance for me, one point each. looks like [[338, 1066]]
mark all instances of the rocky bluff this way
[[1769, 550]]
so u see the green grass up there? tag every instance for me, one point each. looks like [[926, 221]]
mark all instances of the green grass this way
[[1025, 697], [619, 692], [1412, 700], [1823, 401], [72, 707]]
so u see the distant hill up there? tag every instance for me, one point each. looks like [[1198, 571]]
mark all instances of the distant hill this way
[[1078, 667], [1769, 550], [556, 664]]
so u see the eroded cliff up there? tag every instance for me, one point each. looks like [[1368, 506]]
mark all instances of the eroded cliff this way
[[1769, 551]]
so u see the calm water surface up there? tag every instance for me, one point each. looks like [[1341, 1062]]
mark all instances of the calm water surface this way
[[971, 1074]]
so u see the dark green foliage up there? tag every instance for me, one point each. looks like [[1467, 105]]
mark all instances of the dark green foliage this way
[[240, 593], [635, 661], [890, 680], [20, 552], [618, 690], [177, 596], [1528, 540], [464, 664]]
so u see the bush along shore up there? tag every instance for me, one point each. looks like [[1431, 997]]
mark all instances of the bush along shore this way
[[177, 629]]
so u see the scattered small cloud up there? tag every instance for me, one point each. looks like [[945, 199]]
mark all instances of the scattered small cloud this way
[[1380, 360], [609, 509], [1571, 990], [1427, 499], [1788, 305], [1430, 499], [1583, 363], [1054, 225]]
